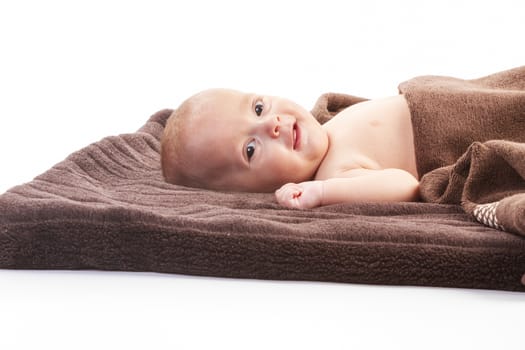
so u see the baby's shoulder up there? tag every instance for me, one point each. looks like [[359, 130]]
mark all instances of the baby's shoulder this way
[[385, 105]]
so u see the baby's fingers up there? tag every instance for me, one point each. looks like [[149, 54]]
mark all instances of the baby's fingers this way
[[289, 195]]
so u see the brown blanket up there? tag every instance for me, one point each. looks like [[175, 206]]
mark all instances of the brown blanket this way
[[488, 181], [107, 207], [470, 144]]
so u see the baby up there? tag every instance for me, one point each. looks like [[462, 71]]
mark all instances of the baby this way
[[228, 140]]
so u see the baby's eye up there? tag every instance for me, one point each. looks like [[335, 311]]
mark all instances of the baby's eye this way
[[259, 107], [250, 149]]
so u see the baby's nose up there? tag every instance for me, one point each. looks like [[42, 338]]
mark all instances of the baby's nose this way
[[273, 126]]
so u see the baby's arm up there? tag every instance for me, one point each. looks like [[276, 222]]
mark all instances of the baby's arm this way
[[361, 185]]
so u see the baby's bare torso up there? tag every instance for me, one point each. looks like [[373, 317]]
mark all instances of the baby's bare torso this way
[[375, 134]]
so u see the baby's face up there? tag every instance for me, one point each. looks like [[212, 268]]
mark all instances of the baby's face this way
[[255, 143]]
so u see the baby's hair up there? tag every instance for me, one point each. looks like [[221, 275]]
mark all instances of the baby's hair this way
[[178, 157], [174, 160]]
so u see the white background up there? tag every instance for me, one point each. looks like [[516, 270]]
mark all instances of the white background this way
[[72, 72]]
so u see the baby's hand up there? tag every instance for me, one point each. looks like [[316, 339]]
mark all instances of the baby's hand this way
[[304, 195]]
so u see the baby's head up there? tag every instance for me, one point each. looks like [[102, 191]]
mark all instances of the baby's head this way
[[228, 140]]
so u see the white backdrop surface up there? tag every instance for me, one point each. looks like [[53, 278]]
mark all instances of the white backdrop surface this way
[[73, 72]]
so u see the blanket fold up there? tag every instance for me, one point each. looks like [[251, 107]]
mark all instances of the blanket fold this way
[[489, 182], [470, 144]]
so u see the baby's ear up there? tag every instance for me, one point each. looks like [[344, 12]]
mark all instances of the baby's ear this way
[[331, 103]]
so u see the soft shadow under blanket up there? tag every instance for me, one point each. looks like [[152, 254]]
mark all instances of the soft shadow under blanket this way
[[107, 207]]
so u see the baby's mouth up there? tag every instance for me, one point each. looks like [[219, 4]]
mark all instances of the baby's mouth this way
[[296, 136]]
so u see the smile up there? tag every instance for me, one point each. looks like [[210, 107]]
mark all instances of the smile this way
[[296, 136]]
